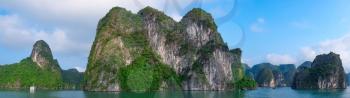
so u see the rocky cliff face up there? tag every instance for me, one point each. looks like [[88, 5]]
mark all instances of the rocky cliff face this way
[[192, 49], [326, 72], [42, 56]]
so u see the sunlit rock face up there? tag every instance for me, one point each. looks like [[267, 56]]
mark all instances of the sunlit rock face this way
[[325, 72], [192, 49]]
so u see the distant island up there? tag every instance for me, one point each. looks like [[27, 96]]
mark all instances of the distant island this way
[[40, 70]]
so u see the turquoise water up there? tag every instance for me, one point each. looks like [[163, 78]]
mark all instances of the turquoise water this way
[[259, 93]]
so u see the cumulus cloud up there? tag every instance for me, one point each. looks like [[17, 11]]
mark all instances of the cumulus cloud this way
[[280, 59], [308, 53], [15, 34], [80, 69], [258, 25]]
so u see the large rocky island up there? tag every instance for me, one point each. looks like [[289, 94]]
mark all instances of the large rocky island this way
[[150, 51], [325, 72]]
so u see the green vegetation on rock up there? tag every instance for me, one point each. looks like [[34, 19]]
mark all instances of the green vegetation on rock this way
[[72, 78], [246, 83], [146, 73], [133, 52], [201, 17], [325, 72], [264, 76], [27, 73]]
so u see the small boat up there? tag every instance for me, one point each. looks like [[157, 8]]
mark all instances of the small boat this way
[[32, 89]]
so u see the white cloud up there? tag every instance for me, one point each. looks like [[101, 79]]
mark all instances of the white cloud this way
[[280, 59], [258, 25], [16, 35], [308, 53], [80, 69]]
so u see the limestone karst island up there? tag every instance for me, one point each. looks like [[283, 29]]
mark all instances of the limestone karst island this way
[[249, 50]]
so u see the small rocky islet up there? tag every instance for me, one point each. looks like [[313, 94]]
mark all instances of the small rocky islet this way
[[149, 51]]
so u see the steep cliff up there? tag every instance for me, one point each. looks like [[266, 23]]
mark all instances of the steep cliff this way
[[151, 51], [42, 56], [40, 70], [326, 72]]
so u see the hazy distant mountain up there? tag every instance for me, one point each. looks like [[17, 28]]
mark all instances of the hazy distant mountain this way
[[269, 75]]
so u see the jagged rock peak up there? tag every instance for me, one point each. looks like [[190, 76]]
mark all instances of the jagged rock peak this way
[[149, 10], [330, 58], [200, 16], [153, 14], [42, 55]]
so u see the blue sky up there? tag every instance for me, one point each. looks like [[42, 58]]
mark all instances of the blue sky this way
[[276, 31]]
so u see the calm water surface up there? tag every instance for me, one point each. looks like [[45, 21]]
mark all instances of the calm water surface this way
[[259, 93]]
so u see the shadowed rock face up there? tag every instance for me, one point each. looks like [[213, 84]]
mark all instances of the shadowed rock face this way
[[42, 56], [326, 72], [275, 76], [192, 48]]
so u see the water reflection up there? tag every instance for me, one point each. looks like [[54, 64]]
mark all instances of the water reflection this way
[[166, 94], [285, 92]]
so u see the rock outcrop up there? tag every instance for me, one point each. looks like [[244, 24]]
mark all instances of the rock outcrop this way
[[269, 75], [288, 71], [40, 70], [326, 72], [42, 56], [191, 50]]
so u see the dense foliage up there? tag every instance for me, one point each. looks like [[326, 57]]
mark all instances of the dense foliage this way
[[325, 72], [72, 78], [264, 76], [201, 17], [123, 54], [246, 83], [240, 79], [26, 73], [146, 73]]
